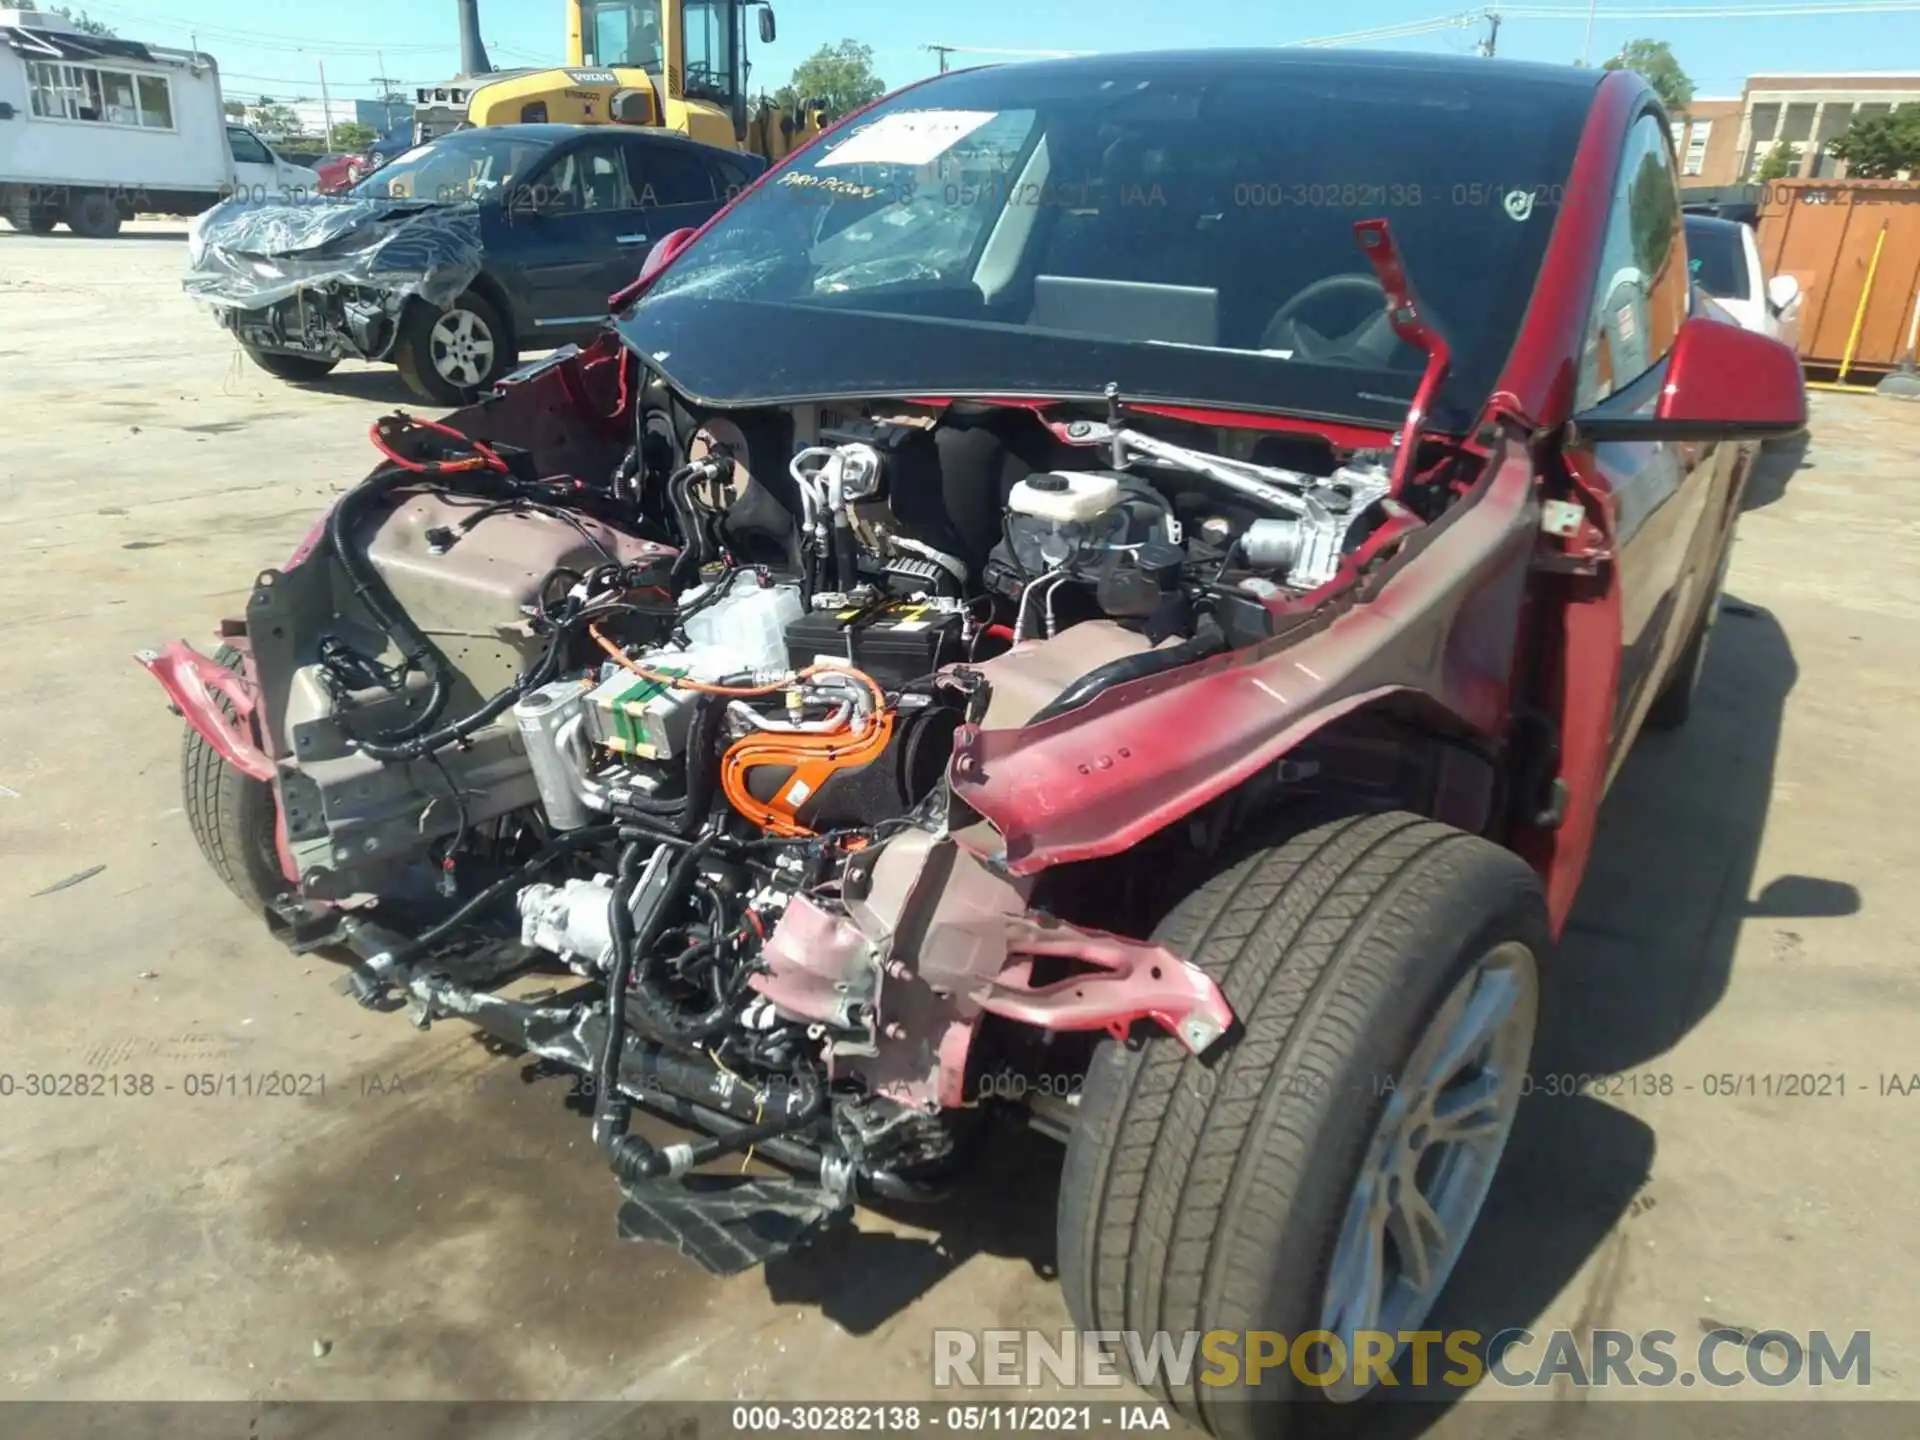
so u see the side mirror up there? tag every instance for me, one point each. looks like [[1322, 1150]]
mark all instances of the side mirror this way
[[658, 258], [1720, 382], [767, 28], [1782, 291]]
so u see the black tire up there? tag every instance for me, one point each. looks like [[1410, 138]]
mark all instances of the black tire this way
[[31, 220], [415, 350], [93, 216], [295, 369], [1202, 1195], [232, 815]]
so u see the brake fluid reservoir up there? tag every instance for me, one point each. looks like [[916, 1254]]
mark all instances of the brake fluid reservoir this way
[[1065, 496], [1053, 518]]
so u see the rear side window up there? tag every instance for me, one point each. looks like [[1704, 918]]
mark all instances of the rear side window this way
[[1640, 294], [668, 175], [733, 176]]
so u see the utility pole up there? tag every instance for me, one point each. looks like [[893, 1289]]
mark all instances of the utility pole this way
[[385, 82], [326, 107], [1586, 46], [943, 51], [1485, 47]]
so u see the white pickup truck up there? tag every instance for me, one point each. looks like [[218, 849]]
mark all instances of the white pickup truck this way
[[96, 130]]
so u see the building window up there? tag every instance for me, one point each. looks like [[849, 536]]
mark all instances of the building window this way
[[1678, 129], [106, 97], [1697, 148]]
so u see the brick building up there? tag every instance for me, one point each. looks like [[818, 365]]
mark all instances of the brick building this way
[[1722, 141]]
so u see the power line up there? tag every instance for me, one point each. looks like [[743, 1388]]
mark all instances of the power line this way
[[238, 34], [287, 81], [1459, 21], [1710, 12]]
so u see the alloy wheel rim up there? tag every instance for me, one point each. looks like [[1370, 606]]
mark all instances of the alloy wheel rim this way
[[462, 348], [1432, 1158]]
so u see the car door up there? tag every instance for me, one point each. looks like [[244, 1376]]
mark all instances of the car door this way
[[256, 172], [1661, 492], [675, 187], [559, 246]]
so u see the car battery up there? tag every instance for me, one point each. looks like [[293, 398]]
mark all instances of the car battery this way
[[895, 641]]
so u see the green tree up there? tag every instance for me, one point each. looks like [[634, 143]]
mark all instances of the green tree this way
[[1777, 165], [1879, 147], [79, 19], [1653, 61], [353, 138], [274, 120], [234, 109], [839, 76]]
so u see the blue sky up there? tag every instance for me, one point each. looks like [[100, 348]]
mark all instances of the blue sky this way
[[275, 47]]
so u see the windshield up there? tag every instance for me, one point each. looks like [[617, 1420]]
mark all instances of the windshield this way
[[1179, 225], [467, 165], [1718, 262]]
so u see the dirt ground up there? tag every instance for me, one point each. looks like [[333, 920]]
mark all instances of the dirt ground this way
[[432, 1226]]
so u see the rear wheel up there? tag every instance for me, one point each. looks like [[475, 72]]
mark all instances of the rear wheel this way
[[93, 215], [1322, 1173], [32, 219], [232, 815], [296, 369], [450, 356]]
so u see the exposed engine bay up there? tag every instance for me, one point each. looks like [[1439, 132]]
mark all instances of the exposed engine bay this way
[[681, 727]]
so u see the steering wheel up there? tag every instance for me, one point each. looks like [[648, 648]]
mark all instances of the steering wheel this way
[[1368, 343]]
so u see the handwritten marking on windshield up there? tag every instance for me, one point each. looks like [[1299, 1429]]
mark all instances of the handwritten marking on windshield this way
[[1518, 204]]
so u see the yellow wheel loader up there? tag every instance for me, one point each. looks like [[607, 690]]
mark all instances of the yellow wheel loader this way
[[677, 64]]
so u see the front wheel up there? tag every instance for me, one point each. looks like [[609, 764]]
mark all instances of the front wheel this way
[[450, 356], [1324, 1172], [232, 815]]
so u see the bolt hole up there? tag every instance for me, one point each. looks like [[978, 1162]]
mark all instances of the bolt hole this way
[[1155, 972]]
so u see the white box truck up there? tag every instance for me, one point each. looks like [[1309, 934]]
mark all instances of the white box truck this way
[[94, 131]]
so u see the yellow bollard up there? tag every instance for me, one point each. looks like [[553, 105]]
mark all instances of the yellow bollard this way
[[1860, 311]]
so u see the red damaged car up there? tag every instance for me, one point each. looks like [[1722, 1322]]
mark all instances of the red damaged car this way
[[1112, 588]]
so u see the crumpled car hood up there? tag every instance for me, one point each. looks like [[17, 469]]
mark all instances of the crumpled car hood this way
[[252, 254]]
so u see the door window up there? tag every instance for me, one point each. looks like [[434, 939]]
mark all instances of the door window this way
[[1641, 292], [587, 180], [709, 49], [668, 174], [247, 148]]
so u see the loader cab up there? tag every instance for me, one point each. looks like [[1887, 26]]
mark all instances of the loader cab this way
[[693, 53]]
